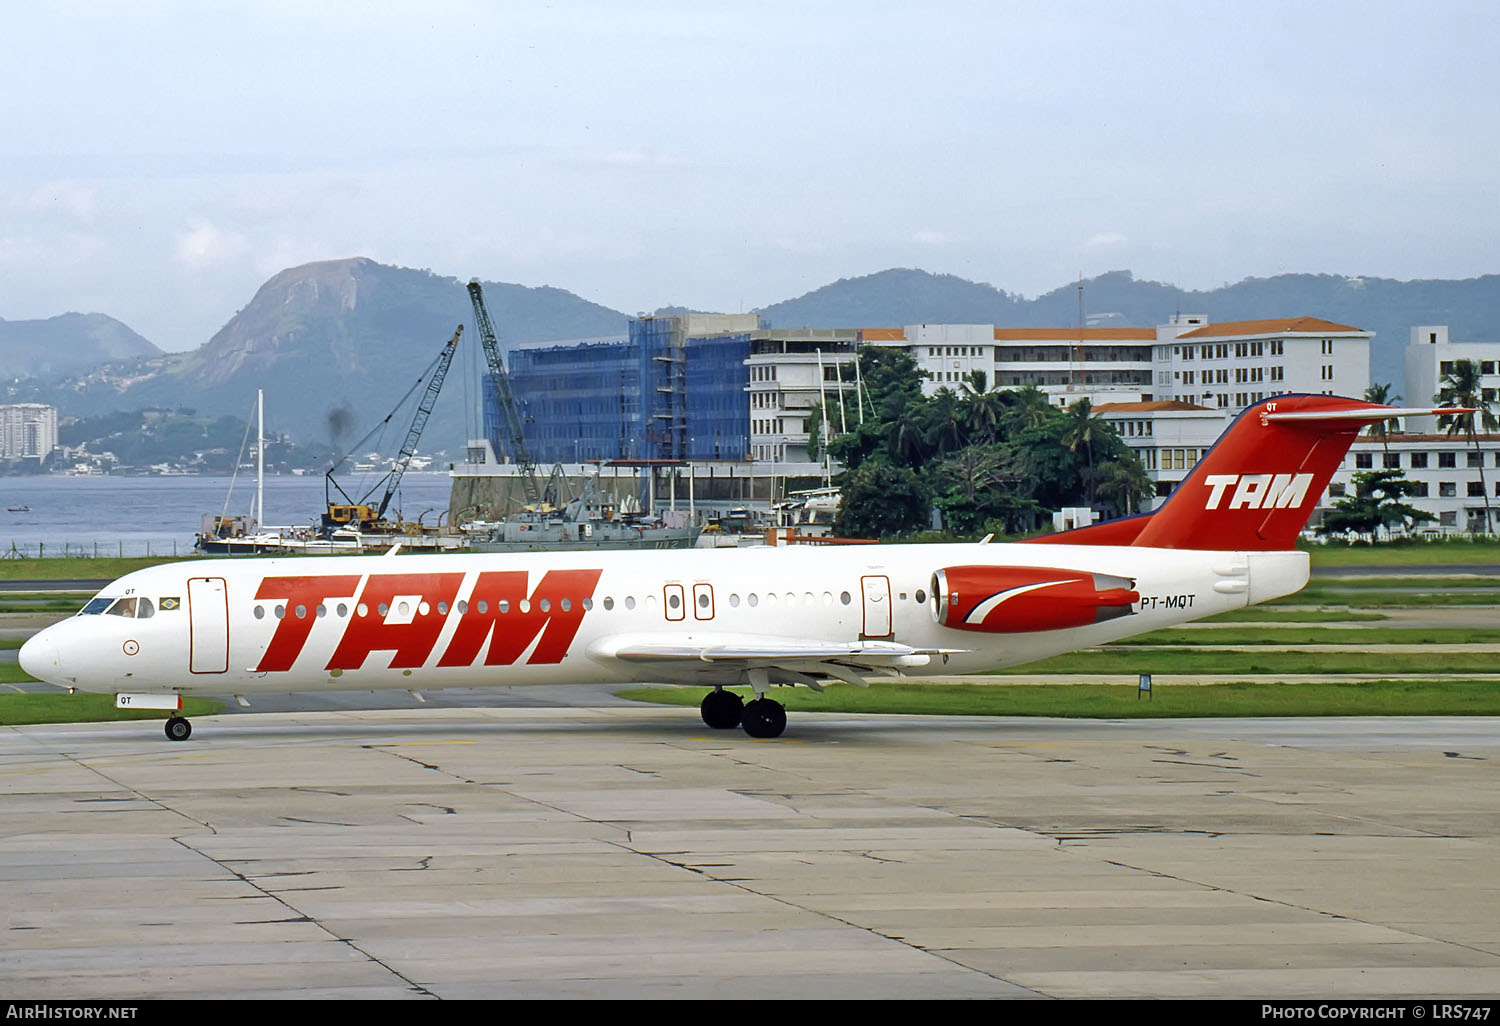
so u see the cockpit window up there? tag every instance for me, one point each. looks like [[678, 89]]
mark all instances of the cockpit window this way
[[122, 607], [144, 608], [95, 605]]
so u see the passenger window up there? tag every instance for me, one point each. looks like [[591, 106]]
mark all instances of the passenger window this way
[[609, 603]]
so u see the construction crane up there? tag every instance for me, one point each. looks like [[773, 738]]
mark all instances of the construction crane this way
[[361, 512], [516, 440]]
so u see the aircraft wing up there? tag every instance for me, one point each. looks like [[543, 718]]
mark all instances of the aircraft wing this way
[[788, 660]]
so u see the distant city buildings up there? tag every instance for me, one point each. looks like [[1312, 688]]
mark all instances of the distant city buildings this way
[[704, 388], [28, 431]]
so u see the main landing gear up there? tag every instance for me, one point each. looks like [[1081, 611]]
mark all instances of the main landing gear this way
[[179, 729], [761, 716]]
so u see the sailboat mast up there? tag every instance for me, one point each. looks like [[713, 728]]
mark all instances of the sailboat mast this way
[[260, 457]]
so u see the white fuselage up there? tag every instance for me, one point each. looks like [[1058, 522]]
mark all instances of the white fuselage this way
[[242, 626]]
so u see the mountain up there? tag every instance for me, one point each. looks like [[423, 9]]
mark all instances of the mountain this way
[[896, 298], [66, 344], [335, 345]]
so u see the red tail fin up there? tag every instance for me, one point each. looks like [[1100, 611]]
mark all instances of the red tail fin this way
[[1257, 487]]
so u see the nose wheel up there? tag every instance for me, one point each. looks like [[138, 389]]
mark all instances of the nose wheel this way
[[178, 729]]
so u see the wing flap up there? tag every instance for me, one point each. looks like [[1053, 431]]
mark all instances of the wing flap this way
[[788, 653]]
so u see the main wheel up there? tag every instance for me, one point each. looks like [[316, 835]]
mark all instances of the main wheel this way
[[722, 709], [178, 729], [764, 718]]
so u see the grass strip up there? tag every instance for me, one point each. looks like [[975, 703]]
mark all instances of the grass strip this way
[[1325, 595], [1110, 701], [1405, 581], [102, 568], [1272, 614], [1130, 661], [84, 708], [1364, 636], [1441, 553]]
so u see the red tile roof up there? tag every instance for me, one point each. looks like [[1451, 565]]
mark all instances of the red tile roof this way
[[1075, 335], [1275, 326]]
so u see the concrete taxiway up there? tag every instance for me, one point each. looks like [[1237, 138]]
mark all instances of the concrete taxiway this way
[[627, 851]]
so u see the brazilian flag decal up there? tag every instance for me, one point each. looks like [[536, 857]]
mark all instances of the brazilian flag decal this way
[[170, 602]]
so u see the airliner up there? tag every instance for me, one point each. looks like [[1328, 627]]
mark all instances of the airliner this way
[[715, 618]]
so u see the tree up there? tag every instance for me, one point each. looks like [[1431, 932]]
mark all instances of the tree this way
[[1376, 503], [1460, 387], [980, 485], [1380, 394], [1122, 484], [1083, 430], [879, 500]]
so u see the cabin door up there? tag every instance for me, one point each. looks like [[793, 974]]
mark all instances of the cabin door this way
[[877, 600], [208, 625]]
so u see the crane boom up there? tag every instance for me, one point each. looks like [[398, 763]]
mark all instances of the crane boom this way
[[360, 512], [424, 410], [516, 436]]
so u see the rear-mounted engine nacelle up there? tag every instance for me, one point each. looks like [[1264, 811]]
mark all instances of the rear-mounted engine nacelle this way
[[1014, 599]]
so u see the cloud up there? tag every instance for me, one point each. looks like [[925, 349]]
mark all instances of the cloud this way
[[930, 238], [202, 245], [1103, 240]]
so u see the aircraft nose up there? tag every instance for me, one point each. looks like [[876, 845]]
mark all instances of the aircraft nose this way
[[41, 657]]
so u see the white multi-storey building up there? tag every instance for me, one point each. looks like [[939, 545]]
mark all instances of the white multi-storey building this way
[[1168, 436], [1430, 356], [1453, 480], [1189, 359], [791, 374], [1235, 363], [28, 431]]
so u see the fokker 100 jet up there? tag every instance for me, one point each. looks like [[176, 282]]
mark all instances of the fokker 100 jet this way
[[758, 617]]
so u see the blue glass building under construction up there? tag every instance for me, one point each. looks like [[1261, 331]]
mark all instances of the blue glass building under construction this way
[[674, 389]]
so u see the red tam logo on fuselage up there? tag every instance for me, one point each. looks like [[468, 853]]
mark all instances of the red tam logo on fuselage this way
[[405, 614]]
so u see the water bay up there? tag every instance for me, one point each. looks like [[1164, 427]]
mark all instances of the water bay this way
[[133, 516]]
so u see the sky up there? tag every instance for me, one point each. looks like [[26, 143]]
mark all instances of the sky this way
[[160, 160]]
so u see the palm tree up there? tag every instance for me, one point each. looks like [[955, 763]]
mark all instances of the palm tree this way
[[1381, 396], [1083, 430], [1460, 386], [1029, 407]]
